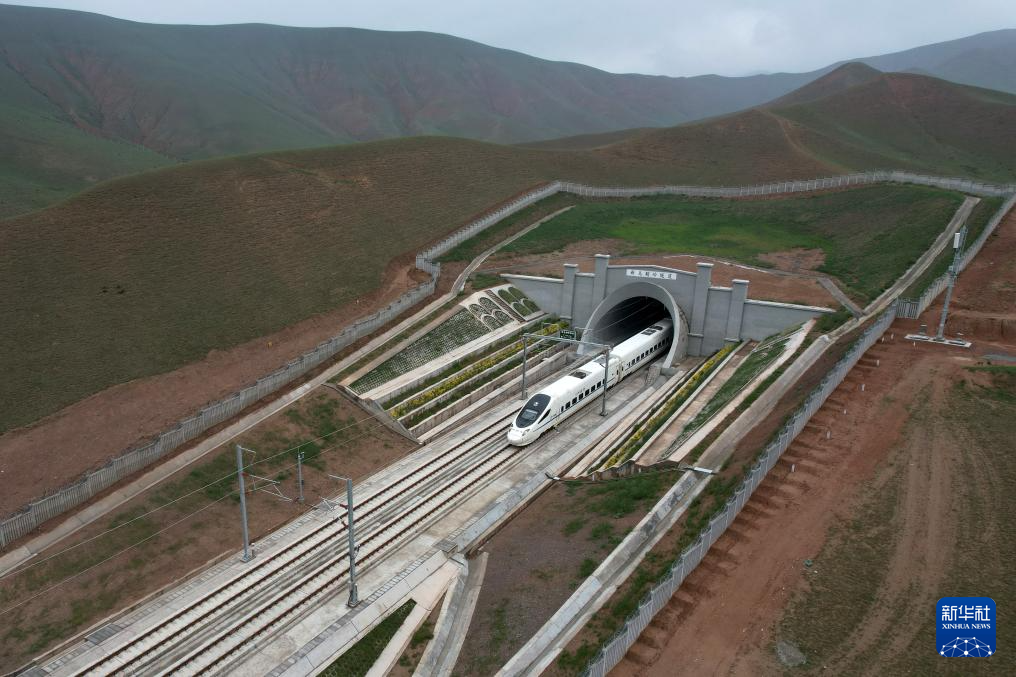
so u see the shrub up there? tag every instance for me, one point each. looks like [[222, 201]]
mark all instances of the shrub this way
[[465, 374], [652, 424]]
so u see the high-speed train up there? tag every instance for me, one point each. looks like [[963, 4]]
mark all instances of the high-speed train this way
[[565, 396]]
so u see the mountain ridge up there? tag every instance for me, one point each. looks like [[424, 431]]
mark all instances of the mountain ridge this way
[[84, 98], [266, 230]]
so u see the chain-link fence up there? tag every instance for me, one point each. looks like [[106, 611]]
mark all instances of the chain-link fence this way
[[133, 460], [615, 649]]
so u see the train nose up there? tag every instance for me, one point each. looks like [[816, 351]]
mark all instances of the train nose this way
[[515, 436]]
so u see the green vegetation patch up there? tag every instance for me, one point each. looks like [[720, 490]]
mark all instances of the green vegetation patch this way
[[644, 432], [754, 364], [826, 322], [456, 331], [359, 659], [485, 280], [976, 223], [869, 235]]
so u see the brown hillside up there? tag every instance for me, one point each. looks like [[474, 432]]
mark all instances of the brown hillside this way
[[846, 76], [726, 150], [588, 141], [914, 121], [152, 272]]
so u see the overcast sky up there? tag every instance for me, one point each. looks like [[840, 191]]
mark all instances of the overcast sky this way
[[729, 37]]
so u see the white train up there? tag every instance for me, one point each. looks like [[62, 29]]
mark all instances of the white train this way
[[565, 396]]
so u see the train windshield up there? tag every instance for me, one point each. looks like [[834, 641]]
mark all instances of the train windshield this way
[[534, 407]]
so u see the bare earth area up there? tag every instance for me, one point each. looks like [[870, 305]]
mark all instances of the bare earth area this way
[[722, 620], [877, 493], [60, 448], [795, 260], [774, 285]]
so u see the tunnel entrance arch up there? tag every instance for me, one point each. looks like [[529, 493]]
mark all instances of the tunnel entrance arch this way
[[633, 307]]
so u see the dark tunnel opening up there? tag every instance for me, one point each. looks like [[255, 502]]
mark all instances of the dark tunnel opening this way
[[626, 319]]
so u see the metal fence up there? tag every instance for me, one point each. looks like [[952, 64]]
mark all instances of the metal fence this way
[[615, 649], [912, 308], [131, 461], [803, 186]]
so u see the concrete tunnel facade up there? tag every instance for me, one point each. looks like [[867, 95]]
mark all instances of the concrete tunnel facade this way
[[707, 316]]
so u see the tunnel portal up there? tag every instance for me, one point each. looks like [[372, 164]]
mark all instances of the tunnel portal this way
[[632, 308]]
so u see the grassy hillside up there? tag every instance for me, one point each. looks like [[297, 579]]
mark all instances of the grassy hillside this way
[[44, 159], [193, 92], [911, 121], [888, 120], [144, 274], [85, 97], [843, 78], [870, 236], [982, 60]]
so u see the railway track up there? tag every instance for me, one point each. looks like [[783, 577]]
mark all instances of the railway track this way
[[204, 634]]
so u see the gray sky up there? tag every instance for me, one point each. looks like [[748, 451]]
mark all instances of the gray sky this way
[[729, 37]]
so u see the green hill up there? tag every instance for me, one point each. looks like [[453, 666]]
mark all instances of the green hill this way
[[910, 122], [84, 97], [94, 93], [141, 275], [983, 60]]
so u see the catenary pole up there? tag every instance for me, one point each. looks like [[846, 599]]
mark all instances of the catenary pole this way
[[953, 272], [353, 598], [247, 552]]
